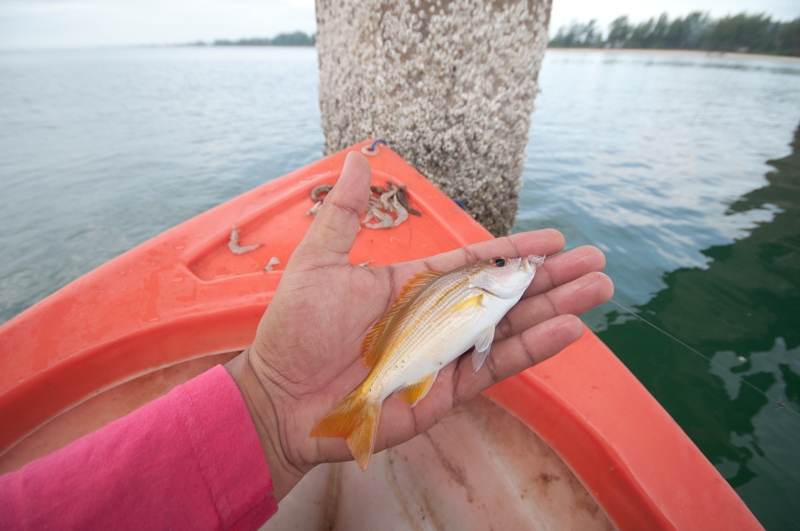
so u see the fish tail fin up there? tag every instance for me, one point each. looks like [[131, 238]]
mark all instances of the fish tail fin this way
[[355, 419]]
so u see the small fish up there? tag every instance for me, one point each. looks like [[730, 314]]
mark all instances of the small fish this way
[[384, 220], [437, 317], [402, 213], [386, 198], [272, 262], [403, 198], [313, 210], [318, 191], [233, 243]]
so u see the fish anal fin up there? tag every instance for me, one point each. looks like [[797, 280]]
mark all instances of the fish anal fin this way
[[482, 348], [416, 392], [409, 293], [355, 419]]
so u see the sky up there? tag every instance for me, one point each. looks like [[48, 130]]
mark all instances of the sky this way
[[90, 23]]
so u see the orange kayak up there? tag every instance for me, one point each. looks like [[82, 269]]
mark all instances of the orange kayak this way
[[182, 302]]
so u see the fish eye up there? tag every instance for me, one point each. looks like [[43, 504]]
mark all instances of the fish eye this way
[[498, 262]]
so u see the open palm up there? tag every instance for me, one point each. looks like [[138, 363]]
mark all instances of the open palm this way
[[306, 355]]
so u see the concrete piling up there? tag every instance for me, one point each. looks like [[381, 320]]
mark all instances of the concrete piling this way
[[449, 84]]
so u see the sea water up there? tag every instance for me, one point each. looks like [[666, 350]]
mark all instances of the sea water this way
[[660, 160]]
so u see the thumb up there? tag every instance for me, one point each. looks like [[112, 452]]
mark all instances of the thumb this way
[[334, 230]]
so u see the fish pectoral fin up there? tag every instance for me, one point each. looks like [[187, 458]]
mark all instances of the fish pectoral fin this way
[[416, 392], [482, 348]]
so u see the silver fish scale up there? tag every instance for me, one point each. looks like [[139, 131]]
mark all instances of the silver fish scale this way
[[438, 335]]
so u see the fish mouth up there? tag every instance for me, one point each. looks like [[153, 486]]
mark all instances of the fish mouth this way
[[532, 260]]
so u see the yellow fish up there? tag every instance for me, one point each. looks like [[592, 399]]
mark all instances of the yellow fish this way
[[437, 317]]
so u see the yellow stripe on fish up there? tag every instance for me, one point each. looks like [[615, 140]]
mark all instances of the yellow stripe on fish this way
[[436, 318]]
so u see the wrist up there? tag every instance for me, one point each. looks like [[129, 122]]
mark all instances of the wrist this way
[[261, 405]]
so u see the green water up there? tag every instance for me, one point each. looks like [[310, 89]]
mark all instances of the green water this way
[[743, 312]]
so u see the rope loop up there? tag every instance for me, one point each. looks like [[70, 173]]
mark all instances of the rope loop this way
[[373, 150]]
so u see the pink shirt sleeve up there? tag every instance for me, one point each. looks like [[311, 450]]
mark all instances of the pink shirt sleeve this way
[[189, 460]]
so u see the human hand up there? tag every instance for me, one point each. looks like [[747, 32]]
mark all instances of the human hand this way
[[306, 354]]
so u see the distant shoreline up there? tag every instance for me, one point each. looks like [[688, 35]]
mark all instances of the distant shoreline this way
[[683, 53]]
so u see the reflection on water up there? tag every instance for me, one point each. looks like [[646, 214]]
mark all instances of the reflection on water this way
[[744, 311], [102, 149], [643, 156]]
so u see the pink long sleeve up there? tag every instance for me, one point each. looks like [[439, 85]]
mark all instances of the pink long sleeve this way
[[189, 460]]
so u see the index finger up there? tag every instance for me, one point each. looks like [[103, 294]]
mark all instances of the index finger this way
[[540, 242]]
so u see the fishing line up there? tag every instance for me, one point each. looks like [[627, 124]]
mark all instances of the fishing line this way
[[781, 404]]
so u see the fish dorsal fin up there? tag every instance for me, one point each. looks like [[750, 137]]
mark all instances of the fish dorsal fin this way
[[409, 293], [417, 391]]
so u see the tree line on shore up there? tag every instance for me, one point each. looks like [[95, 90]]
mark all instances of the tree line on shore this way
[[298, 38], [696, 31]]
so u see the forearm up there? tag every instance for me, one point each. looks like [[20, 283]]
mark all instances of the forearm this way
[[264, 415], [190, 459]]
